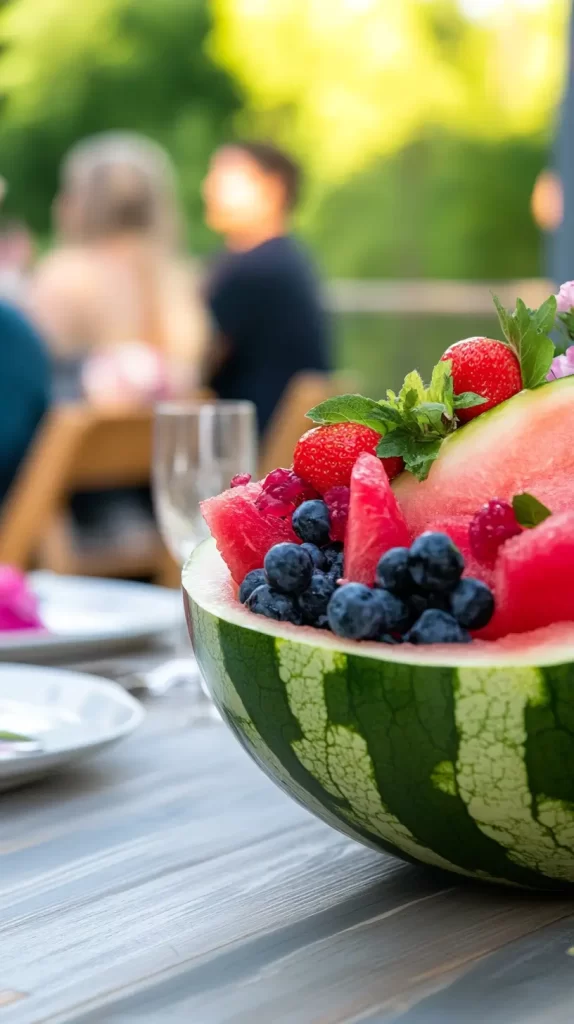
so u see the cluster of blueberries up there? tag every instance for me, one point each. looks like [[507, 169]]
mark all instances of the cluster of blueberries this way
[[419, 595]]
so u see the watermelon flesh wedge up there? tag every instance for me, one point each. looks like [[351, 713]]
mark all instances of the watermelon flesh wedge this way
[[534, 579], [524, 444], [375, 521], [242, 532]]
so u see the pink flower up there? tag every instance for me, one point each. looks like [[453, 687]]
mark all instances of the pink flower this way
[[562, 366], [565, 297]]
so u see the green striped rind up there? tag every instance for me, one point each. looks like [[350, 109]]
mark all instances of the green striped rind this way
[[466, 768]]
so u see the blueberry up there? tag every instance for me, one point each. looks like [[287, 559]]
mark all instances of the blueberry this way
[[311, 522], [386, 638], [472, 603], [418, 603], [288, 568], [393, 572], [313, 601], [437, 627], [332, 553], [318, 556], [435, 562], [336, 570], [322, 623], [255, 578], [355, 613], [334, 556], [268, 602], [396, 614]]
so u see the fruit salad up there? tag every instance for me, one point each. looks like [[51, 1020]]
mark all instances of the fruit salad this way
[[433, 516]]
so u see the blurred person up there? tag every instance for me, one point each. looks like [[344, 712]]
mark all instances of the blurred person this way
[[17, 251], [547, 201], [119, 306], [24, 390], [263, 294]]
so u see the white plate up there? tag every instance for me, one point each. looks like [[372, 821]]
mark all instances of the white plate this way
[[86, 616], [72, 716]]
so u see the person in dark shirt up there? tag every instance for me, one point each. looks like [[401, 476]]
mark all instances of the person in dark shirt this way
[[24, 390], [263, 294]]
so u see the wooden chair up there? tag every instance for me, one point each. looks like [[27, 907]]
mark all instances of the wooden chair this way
[[289, 423], [80, 448]]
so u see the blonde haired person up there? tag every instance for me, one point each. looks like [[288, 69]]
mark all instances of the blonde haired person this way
[[120, 307]]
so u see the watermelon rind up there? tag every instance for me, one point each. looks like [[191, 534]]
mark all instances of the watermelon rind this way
[[461, 758]]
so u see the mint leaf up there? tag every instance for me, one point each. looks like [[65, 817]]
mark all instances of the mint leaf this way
[[528, 510], [536, 355], [393, 445], [467, 400], [504, 317], [545, 316], [413, 382], [435, 414], [420, 456], [349, 409], [390, 412], [526, 332], [440, 386]]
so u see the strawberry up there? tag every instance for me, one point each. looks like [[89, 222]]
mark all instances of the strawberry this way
[[486, 367], [325, 456]]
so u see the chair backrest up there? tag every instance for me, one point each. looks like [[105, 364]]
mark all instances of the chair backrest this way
[[289, 420], [77, 448]]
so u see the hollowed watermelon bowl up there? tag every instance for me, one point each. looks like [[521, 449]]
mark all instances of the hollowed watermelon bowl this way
[[458, 757]]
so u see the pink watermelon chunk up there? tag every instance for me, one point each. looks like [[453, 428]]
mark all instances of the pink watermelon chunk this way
[[375, 521], [242, 532], [534, 579]]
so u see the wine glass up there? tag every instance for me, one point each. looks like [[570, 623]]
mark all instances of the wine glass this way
[[199, 446]]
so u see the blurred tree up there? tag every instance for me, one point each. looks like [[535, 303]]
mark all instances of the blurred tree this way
[[422, 128], [444, 206], [68, 70], [346, 81]]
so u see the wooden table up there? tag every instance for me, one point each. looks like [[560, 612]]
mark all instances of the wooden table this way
[[169, 881]]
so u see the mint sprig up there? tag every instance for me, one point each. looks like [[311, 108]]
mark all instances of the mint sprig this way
[[349, 409], [528, 510], [527, 333], [412, 424]]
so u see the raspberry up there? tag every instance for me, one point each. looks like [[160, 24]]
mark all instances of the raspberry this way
[[325, 456], [283, 491], [337, 501], [491, 527], [240, 480]]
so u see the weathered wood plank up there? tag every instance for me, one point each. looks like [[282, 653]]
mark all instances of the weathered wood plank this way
[[530, 981], [387, 959]]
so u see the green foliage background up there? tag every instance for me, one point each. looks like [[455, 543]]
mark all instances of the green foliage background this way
[[422, 131]]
